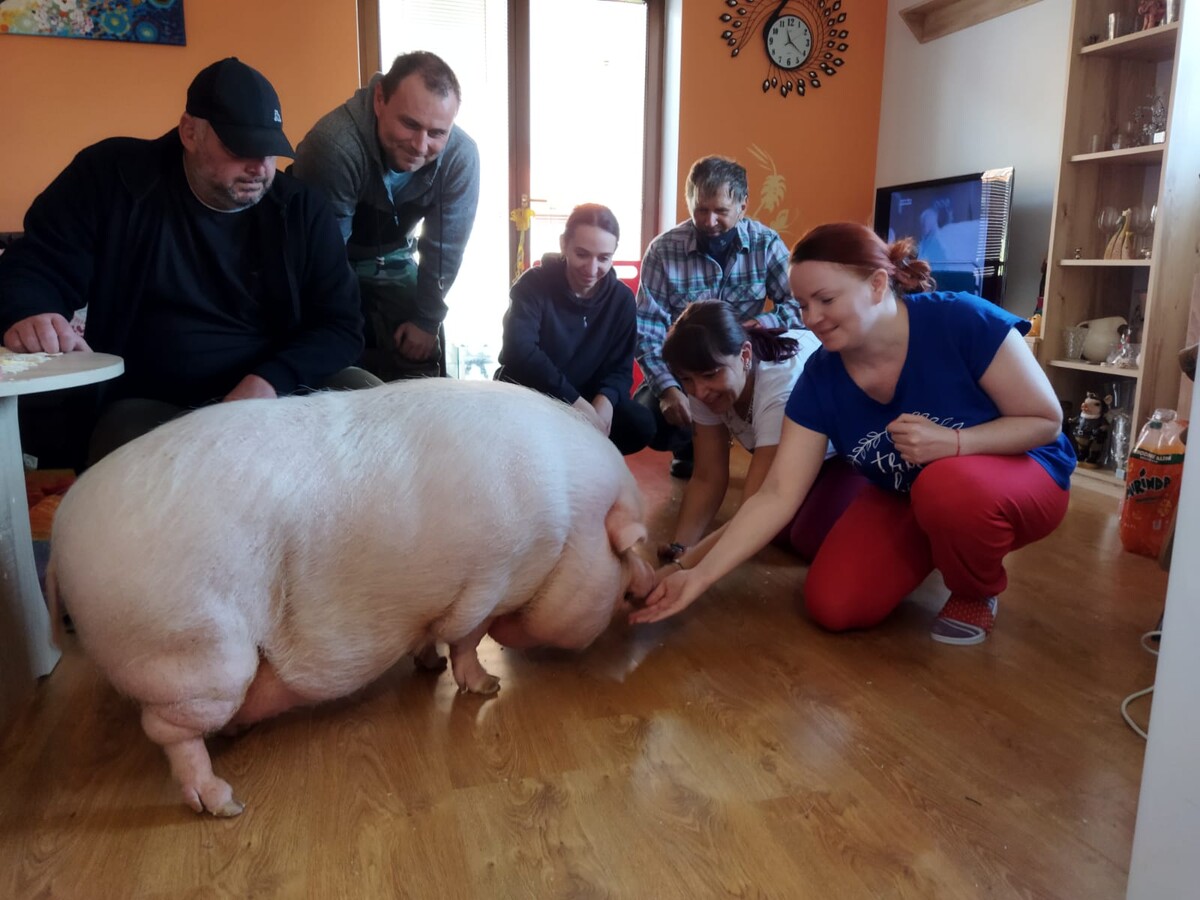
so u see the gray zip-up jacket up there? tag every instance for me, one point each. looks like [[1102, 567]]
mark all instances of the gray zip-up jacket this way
[[341, 156]]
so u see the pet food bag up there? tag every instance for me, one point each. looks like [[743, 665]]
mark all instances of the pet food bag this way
[[1152, 482]]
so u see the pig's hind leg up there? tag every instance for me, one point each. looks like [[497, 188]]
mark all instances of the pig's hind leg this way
[[179, 728], [195, 694]]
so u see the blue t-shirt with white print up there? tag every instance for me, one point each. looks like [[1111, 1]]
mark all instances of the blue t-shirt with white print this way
[[952, 339]]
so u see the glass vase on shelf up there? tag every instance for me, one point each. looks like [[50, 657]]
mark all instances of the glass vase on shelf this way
[[1118, 395], [1125, 353], [1120, 425]]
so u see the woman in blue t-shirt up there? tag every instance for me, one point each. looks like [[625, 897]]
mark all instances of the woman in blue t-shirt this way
[[937, 400]]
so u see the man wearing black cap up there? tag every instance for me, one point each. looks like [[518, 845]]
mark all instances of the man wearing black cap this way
[[214, 276]]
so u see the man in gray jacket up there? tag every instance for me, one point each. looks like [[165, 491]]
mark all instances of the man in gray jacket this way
[[390, 158]]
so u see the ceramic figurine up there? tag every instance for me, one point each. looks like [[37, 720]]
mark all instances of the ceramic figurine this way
[[1152, 12], [1089, 431]]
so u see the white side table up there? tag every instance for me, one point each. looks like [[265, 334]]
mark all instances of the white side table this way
[[25, 649]]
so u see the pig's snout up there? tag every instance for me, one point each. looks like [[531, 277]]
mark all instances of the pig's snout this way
[[641, 577]]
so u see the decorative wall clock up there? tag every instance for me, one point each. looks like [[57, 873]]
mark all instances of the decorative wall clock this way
[[802, 40]]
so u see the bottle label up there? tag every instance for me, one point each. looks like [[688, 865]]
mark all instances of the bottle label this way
[[1157, 459], [1146, 487]]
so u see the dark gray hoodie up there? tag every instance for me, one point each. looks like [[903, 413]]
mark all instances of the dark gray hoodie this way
[[341, 155]]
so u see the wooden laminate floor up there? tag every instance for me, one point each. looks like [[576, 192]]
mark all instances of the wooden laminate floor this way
[[736, 751]]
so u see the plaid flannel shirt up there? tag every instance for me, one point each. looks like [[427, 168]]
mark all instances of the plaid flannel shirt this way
[[675, 272]]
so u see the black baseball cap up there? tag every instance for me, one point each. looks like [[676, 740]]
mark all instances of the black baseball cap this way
[[242, 108]]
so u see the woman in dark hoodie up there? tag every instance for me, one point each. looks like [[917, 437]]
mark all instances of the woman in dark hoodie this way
[[570, 330]]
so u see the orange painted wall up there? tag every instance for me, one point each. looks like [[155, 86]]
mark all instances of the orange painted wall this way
[[61, 95], [823, 144]]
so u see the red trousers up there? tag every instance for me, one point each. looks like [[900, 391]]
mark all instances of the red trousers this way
[[838, 485], [963, 516]]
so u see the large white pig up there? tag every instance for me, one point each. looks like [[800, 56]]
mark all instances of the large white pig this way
[[258, 555]]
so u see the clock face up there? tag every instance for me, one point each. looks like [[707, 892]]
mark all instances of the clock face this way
[[789, 42]]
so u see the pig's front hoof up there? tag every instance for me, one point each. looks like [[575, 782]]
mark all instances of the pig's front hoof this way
[[481, 683], [215, 797], [229, 810]]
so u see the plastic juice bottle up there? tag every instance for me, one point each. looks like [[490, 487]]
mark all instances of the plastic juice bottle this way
[[1152, 483]]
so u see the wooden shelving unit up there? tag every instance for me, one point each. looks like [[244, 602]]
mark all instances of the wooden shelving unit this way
[[1157, 44], [1106, 82], [1096, 368], [1106, 263], [1127, 156], [938, 18]]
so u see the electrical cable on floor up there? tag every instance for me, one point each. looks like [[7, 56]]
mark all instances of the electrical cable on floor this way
[[1149, 635]]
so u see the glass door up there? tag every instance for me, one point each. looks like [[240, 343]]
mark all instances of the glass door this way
[[587, 85]]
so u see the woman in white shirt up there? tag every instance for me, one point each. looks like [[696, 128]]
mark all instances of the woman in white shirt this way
[[738, 381]]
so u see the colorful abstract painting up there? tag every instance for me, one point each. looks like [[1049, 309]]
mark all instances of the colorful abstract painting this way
[[139, 21]]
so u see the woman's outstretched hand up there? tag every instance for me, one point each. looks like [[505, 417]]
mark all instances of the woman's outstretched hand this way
[[674, 593]]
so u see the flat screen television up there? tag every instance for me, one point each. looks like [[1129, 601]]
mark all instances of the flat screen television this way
[[960, 225]]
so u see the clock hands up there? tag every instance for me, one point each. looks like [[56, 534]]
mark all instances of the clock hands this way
[[780, 35]]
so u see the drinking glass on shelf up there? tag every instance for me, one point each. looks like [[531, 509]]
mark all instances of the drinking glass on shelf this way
[[1139, 217], [1141, 223], [1108, 220], [1115, 395], [1073, 338]]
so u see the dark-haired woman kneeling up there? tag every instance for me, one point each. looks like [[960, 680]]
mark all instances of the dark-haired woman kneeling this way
[[570, 330], [738, 382]]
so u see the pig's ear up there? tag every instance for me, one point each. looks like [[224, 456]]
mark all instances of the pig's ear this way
[[623, 537]]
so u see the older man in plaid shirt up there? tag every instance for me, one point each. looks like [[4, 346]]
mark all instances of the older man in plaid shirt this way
[[717, 254]]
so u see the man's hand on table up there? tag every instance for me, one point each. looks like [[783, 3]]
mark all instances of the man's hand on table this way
[[44, 333]]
